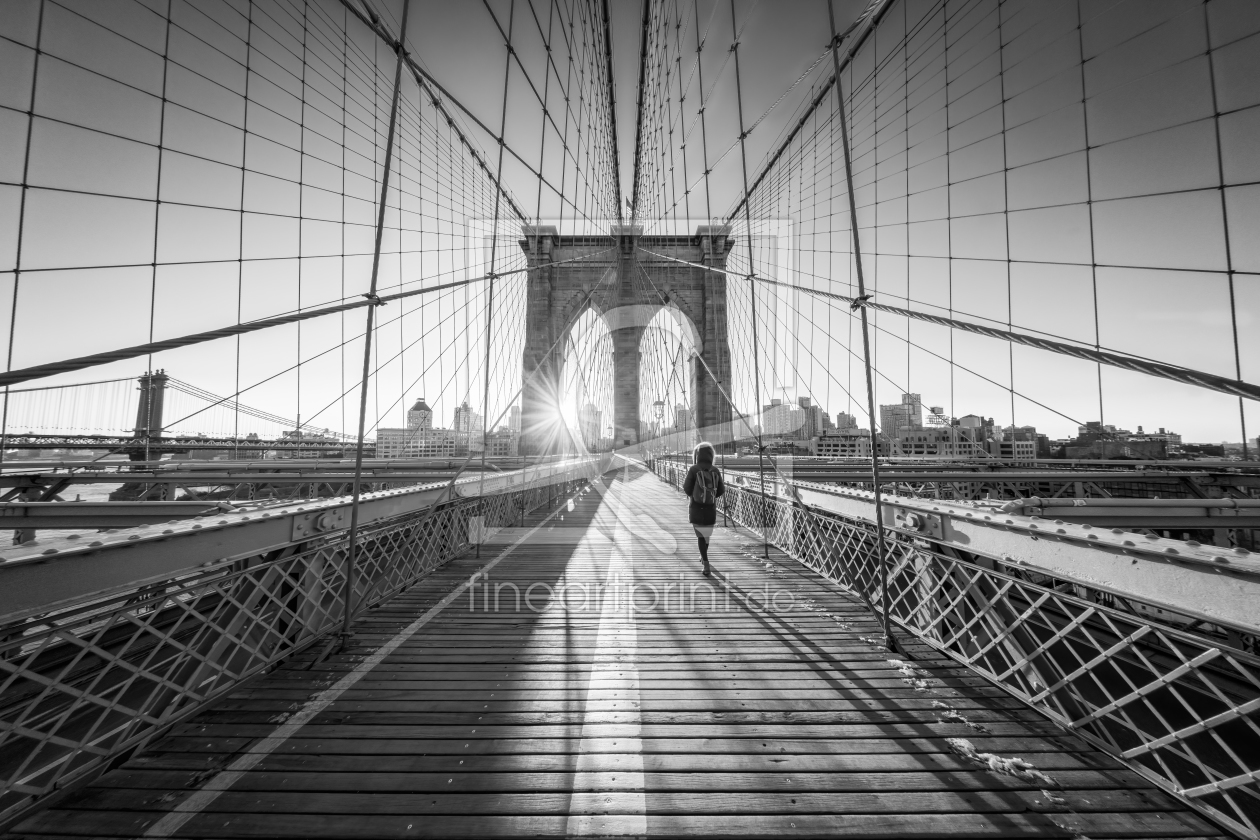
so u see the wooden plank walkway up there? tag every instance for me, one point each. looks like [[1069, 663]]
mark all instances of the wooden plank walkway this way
[[711, 717]]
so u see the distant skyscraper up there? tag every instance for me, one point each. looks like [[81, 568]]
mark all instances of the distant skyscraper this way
[[908, 414], [780, 418], [514, 419], [588, 425], [420, 416], [812, 420], [466, 420]]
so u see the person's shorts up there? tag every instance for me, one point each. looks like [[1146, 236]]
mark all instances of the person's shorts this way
[[705, 531]]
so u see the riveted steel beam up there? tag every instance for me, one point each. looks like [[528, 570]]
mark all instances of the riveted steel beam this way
[[1217, 585], [100, 514], [42, 574]]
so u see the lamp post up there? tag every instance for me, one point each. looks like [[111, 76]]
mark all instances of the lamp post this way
[[658, 408]]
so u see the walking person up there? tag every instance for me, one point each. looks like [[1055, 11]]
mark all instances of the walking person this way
[[703, 486]]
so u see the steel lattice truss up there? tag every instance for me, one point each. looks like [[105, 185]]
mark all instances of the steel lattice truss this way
[[94, 681]]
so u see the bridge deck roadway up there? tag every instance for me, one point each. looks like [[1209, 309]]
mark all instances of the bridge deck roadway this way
[[715, 718]]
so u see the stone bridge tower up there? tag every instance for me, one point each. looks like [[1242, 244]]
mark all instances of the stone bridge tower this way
[[611, 281]]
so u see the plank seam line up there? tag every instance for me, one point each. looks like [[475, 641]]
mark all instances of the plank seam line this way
[[175, 819]]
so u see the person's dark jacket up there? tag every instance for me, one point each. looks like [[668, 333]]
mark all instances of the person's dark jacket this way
[[698, 514]]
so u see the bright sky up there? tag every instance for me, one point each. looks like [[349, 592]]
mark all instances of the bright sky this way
[[966, 205]]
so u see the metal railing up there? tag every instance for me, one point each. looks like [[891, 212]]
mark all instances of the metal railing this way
[[1179, 710], [83, 687]]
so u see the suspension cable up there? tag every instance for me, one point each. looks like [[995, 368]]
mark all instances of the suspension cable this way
[[352, 537]]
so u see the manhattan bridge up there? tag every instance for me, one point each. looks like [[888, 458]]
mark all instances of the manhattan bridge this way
[[356, 351]]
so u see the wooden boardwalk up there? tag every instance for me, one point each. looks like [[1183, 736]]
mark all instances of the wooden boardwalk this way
[[711, 717]]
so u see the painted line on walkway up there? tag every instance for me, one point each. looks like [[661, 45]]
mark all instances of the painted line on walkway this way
[[230, 775]]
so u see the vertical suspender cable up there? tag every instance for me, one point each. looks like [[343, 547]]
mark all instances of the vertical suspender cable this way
[[708, 213], [494, 241], [752, 295], [240, 240], [352, 543], [880, 539], [297, 425], [1225, 232], [1089, 198], [157, 222], [21, 225]]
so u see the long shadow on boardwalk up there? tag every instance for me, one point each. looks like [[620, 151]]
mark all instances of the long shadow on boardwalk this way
[[706, 721]]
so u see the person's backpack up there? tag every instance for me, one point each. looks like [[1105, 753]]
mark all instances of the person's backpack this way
[[704, 492]]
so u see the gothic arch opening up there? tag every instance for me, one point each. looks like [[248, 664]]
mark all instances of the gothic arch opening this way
[[586, 383], [667, 405]]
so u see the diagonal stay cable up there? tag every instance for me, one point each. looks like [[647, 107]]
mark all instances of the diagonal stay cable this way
[[1176, 373], [903, 388], [860, 29], [67, 365]]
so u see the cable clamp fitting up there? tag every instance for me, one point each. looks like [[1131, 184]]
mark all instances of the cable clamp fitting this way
[[859, 302], [376, 300]]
